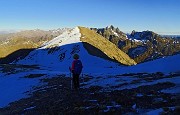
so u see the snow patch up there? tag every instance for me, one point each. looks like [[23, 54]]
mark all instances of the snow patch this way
[[115, 33], [14, 87], [68, 37]]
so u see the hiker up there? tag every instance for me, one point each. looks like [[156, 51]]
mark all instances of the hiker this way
[[76, 70]]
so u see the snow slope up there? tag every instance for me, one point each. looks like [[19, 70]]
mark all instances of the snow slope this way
[[166, 65], [57, 54], [12, 87]]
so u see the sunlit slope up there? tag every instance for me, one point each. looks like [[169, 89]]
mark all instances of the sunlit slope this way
[[109, 49], [16, 44]]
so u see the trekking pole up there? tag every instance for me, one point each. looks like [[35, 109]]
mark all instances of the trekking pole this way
[[83, 80], [71, 79]]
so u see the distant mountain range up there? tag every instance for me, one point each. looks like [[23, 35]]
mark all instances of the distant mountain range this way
[[8, 31], [172, 36], [26, 39], [139, 46]]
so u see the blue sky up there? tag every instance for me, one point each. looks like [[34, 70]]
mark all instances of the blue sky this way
[[161, 16]]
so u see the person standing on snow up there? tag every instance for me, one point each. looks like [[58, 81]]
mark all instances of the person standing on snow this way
[[76, 70]]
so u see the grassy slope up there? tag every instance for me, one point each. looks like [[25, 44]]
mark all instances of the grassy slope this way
[[16, 44], [108, 48]]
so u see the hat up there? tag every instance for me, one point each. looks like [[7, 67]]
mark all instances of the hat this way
[[76, 56]]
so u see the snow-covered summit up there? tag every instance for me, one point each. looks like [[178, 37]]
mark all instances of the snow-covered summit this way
[[67, 37]]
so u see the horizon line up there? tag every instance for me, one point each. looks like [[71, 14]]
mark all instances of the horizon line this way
[[45, 29]]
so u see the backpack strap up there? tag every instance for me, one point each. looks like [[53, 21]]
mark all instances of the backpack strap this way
[[73, 65]]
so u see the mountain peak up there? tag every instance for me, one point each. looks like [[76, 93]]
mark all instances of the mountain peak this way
[[111, 32], [94, 50], [110, 27]]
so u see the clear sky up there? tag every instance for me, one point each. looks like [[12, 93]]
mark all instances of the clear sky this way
[[161, 16]]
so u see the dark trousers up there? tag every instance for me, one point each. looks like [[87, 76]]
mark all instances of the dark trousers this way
[[76, 80]]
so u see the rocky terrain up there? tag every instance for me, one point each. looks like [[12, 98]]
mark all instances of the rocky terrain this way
[[55, 96]]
